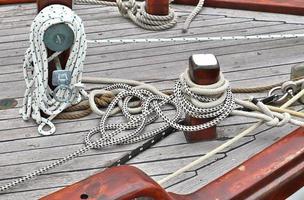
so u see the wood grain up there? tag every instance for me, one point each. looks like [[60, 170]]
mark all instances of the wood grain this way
[[243, 62]]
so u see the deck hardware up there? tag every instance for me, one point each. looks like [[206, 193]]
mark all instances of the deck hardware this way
[[73, 156], [63, 93], [59, 37], [281, 96], [297, 72], [53, 100], [289, 87], [8, 103], [204, 69], [41, 4], [66, 96], [61, 77]]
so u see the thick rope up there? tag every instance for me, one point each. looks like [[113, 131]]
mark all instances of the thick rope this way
[[83, 108], [136, 12], [198, 101], [193, 14], [211, 101]]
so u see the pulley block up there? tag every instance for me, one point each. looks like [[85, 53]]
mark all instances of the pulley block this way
[[59, 37]]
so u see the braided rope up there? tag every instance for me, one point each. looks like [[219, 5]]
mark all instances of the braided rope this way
[[38, 95], [199, 101]]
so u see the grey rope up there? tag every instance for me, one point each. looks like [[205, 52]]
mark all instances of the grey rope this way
[[112, 134], [198, 101]]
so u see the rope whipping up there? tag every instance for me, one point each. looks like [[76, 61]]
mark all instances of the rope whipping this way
[[211, 101]]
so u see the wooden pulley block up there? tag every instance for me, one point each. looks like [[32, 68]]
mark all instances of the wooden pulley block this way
[[58, 37]]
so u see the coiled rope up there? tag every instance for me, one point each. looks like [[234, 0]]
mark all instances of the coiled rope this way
[[198, 101], [212, 101], [38, 95], [136, 12]]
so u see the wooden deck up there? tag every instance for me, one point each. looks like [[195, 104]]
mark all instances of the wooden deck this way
[[245, 63]]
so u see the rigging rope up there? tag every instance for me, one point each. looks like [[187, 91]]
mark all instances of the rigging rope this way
[[209, 101], [137, 13]]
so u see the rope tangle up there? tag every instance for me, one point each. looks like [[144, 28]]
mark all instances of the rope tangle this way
[[211, 101]]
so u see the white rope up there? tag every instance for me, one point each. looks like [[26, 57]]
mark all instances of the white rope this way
[[136, 12], [200, 39], [226, 144], [38, 96], [193, 14], [214, 101]]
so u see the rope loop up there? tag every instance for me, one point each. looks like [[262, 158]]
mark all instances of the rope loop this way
[[44, 123]]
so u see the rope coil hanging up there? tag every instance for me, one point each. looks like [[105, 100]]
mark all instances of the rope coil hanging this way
[[39, 97]]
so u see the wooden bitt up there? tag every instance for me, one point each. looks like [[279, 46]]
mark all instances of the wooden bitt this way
[[273, 174], [203, 70], [157, 7], [44, 3]]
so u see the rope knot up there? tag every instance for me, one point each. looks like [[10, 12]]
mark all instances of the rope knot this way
[[273, 118], [125, 6], [279, 122]]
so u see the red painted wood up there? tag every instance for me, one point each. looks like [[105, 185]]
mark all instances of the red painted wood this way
[[273, 174], [16, 1], [276, 6], [201, 75], [44, 3], [157, 7]]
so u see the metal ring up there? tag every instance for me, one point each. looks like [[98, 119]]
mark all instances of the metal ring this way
[[280, 99], [68, 98]]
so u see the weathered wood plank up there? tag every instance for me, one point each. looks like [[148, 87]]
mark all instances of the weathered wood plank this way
[[280, 55], [22, 149]]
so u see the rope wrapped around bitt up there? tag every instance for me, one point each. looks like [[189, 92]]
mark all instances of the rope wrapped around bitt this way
[[136, 12]]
